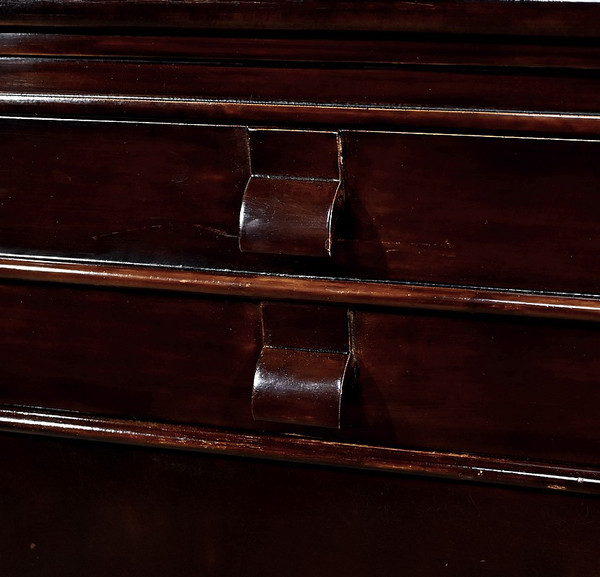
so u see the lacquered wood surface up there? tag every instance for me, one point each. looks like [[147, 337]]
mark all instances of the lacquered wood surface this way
[[506, 212], [305, 362], [301, 449], [90, 185], [578, 19], [299, 115], [134, 318], [419, 208], [488, 385], [100, 509], [284, 47], [503, 88], [283, 287]]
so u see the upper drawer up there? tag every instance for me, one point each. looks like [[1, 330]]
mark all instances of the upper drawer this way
[[467, 210]]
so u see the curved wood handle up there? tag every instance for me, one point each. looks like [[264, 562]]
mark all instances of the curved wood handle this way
[[305, 362], [294, 217], [290, 202], [299, 387]]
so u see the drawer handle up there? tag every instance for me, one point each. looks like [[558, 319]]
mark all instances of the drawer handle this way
[[293, 195], [304, 365]]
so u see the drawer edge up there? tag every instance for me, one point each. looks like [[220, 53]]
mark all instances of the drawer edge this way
[[281, 287], [294, 448]]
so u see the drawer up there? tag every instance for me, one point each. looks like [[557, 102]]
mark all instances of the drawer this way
[[512, 387], [460, 210], [104, 509]]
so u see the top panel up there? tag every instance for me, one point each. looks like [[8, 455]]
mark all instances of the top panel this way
[[577, 19]]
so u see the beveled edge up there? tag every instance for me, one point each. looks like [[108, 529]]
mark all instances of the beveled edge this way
[[462, 467], [306, 289], [128, 108], [550, 18]]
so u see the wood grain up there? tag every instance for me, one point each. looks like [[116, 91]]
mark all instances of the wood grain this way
[[299, 115], [284, 47], [305, 363], [300, 449], [396, 295], [102, 509], [550, 19], [419, 208], [521, 388], [536, 89]]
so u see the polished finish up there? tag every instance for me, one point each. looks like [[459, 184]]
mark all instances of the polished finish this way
[[153, 192], [288, 216], [290, 202], [399, 117], [295, 154], [427, 381], [283, 47], [305, 362], [299, 387], [302, 449], [403, 295], [299, 288], [575, 19], [418, 207], [159, 512], [483, 211], [447, 87]]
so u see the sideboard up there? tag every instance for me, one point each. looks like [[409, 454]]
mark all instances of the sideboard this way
[[299, 288]]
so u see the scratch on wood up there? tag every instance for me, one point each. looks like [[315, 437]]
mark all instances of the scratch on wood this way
[[214, 230], [126, 231]]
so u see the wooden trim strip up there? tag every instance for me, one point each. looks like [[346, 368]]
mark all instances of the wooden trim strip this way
[[339, 291], [357, 51], [61, 106], [303, 450], [578, 19]]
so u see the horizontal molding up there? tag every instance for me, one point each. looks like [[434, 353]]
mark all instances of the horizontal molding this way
[[580, 19], [281, 48], [286, 114], [304, 450], [340, 291]]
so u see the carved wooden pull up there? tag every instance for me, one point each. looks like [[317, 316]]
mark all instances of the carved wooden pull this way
[[305, 361], [290, 200]]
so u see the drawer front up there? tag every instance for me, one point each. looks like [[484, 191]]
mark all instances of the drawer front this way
[[156, 193], [483, 211], [461, 210], [443, 382], [98, 509]]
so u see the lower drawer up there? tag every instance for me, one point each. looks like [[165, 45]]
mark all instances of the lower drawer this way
[[504, 386], [77, 508]]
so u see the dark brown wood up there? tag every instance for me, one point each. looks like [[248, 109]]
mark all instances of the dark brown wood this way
[[442, 382], [302, 449], [500, 89], [282, 47], [299, 387], [428, 119], [289, 216], [302, 154], [305, 362], [294, 190], [480, 211], [419, 208], [159, 511], [477, 383], [294, 326], [403, 295], [462, 138], [164, 193], [577, 19]]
